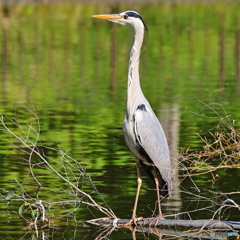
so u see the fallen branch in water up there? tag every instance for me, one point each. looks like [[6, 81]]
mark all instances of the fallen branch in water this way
[[170, 223], [170, 233]]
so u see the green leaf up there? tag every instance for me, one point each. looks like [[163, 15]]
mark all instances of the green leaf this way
[[10, 195], [21, 210]]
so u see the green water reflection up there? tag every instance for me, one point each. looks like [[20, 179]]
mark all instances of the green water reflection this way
[[73, 69]]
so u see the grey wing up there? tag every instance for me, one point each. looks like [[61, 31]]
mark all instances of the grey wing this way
[[150, 136]]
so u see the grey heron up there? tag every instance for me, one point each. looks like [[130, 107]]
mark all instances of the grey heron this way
[[142, 130]]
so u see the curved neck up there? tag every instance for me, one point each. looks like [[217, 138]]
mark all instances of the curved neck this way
[[134, 88]]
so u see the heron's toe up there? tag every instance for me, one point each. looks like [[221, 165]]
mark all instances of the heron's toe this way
[[133, 221], [156, 219]]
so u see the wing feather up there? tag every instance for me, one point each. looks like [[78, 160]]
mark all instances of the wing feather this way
[[150, 136]]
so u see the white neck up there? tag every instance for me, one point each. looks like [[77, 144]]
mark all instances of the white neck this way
[[134, 89]]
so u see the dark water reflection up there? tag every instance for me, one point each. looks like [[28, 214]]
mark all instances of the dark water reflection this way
[[71, 69]]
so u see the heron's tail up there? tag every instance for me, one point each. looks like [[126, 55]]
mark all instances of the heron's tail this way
[[163, 186]]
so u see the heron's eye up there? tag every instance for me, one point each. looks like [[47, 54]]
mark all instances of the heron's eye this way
[[125, 16]]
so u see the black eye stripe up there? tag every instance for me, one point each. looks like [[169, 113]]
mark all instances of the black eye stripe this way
[[133, 14], [125, 16]]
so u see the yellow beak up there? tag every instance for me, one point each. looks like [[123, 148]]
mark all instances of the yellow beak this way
[[108, 16]]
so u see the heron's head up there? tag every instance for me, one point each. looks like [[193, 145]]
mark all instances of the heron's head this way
[[125, 18]]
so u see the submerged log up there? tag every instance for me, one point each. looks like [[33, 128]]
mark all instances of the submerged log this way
[[171, 223]]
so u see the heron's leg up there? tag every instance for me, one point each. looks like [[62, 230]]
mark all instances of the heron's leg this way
[[139, 182], [133, 220], [158, 194], [160, 216]]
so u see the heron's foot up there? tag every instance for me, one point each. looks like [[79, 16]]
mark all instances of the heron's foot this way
[[156, 219], [133, 221]]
